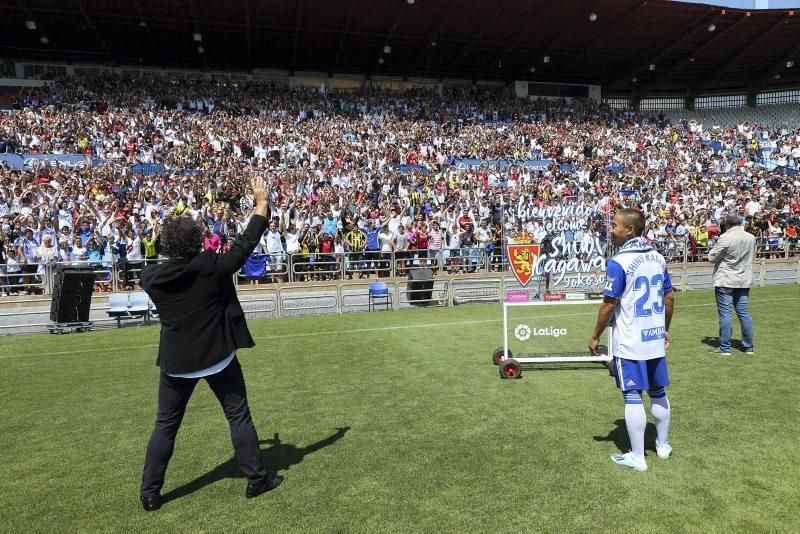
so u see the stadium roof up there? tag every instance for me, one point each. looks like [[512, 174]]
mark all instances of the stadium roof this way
[[689, 45]]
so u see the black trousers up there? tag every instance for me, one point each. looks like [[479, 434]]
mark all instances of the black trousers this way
[[173, 395]]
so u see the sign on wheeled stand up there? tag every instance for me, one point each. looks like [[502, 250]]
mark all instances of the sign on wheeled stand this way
[[539, 337]]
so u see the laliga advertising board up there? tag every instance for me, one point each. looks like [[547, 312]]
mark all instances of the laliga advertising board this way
[[557, 257]]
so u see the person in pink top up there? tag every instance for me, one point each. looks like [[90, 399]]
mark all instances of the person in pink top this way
[[211, 241]]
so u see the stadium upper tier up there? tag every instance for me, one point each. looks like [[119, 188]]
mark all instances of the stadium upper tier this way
[[197, 124]]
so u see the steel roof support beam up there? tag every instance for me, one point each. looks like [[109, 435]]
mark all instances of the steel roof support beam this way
[[522, 34], [389, 35], [729, 62], [769, 75], [345, 27], [85, 16], [485, 24], [427, 45], [196, 20], [140, 12], [39, 25], [298, 18], [620, 22], [685, 60], [247, 36], [644, 62], [550, 45]]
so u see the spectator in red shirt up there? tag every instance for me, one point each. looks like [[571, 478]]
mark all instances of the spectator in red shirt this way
[[422, 241], [465, 221]]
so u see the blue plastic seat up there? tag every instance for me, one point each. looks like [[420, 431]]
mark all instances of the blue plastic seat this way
[[140, 305], [379, 294], [118, 307]]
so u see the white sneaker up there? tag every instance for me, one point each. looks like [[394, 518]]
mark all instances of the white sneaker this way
[[627, 460], [664, 450]]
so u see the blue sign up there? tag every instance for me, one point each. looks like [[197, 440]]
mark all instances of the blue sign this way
[[416, 168], [147, 169], [12, 161], [535, 164], [68, 161], [538, 164], [788, 170], [715, 145]]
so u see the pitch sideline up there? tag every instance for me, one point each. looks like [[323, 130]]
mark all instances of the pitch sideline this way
[[359, 330]]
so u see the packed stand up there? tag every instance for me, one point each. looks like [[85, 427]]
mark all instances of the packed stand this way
[[364, 183]]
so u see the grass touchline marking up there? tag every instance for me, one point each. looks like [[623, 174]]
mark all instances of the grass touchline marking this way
[[363, 330]]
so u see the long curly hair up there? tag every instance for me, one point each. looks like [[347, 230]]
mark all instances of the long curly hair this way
[[181, 237]]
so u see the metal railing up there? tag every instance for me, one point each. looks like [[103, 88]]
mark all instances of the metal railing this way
[[128, 273], [315, 267], [113, 275], [25, 314], [685, 252], [29, 278]]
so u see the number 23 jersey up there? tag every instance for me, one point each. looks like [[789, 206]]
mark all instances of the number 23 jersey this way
[[637, 276]]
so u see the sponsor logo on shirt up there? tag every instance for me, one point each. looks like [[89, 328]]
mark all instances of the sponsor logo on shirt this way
[[651, 334]]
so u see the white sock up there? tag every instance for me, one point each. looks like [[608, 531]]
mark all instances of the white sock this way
[[661, 411], [636, 421]]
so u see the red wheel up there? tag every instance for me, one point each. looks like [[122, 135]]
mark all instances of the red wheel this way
[[499, 355], [510, 369]]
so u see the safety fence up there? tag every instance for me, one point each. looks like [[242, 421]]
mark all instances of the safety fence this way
[[316, 267], [684, 251], [31, 314], [35, 278]]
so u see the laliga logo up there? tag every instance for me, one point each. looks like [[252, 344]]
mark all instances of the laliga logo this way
[[523, 332]]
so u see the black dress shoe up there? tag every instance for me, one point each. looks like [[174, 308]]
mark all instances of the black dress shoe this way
[[254, 490], [151, 504]]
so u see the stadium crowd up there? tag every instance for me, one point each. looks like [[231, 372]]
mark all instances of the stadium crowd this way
[[367, 172]]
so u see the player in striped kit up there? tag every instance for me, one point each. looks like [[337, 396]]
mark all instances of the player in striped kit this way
[[638, 305]]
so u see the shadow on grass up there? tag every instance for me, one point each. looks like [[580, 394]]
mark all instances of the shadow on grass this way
[[619, 436], [566, 366], [278, 456], [714, 342]]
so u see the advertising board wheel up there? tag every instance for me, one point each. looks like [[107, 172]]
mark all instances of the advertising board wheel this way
[[498, 356], [510, 369]]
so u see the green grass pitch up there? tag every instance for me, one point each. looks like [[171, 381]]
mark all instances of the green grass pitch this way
[[435, 441]]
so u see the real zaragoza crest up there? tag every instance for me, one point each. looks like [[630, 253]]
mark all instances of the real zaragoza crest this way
[[522, 257]]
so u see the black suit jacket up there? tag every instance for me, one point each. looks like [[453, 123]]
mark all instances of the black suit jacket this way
[[202, 321]]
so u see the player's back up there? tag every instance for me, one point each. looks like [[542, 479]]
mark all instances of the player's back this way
[[637, 276]]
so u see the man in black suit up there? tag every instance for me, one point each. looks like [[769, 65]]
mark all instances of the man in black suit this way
[[202, 325]]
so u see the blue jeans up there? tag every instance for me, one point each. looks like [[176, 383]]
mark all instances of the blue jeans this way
[[739, 299]]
